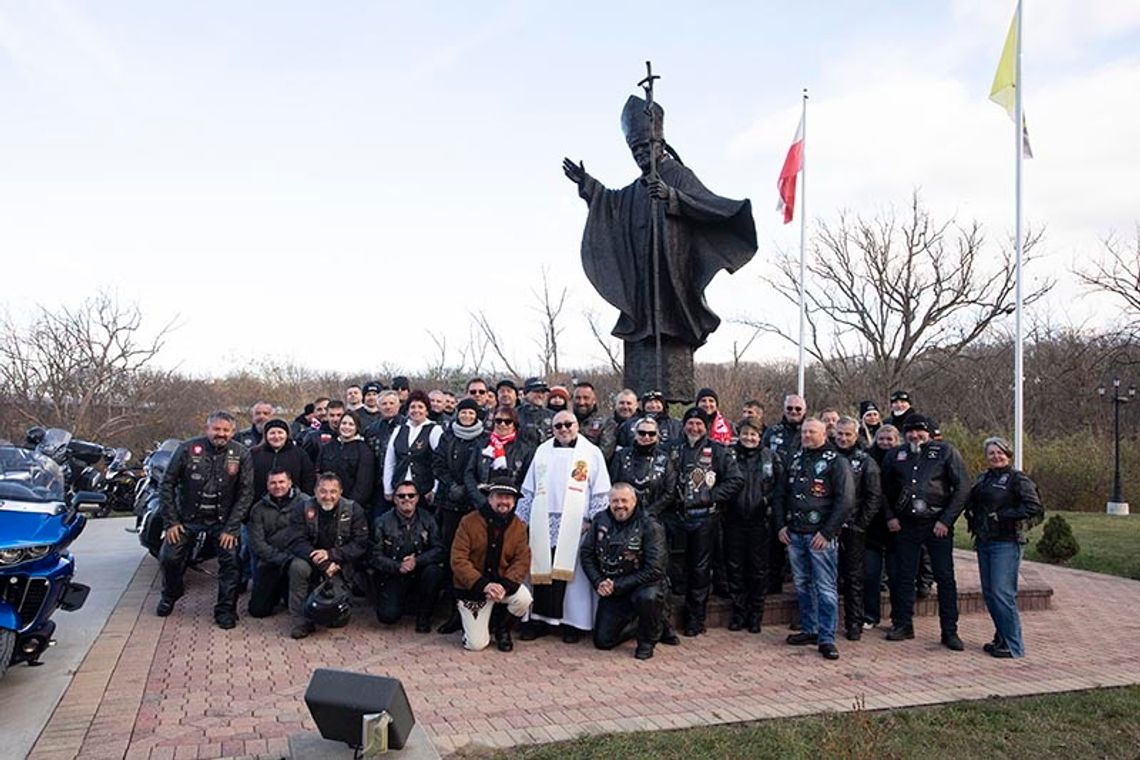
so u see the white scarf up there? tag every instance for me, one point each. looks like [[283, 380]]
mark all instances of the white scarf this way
[[573, 511]]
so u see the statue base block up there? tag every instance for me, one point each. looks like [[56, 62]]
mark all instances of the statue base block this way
[[676, 369]]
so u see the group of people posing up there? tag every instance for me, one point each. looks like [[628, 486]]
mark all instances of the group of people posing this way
[[532, 508]]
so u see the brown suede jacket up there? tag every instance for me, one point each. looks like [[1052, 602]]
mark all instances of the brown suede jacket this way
[[469, 556]]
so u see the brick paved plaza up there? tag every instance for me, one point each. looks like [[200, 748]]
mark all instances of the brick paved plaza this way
[[180, 687]]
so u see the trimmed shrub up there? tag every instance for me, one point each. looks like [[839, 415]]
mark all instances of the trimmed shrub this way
[[1057, 543]]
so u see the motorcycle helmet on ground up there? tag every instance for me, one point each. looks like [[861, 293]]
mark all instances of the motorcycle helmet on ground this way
[[330, 603]]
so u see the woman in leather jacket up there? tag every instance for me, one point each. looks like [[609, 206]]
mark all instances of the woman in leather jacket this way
[[1002, 507]]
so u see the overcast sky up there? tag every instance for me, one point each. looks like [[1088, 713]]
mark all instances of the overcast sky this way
[[327, 182]]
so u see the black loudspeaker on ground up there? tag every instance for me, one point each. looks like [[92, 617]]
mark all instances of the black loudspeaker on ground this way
[[338, 698]]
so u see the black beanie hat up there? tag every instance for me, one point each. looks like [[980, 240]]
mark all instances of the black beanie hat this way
[[467, 403], [276, 423], [867, 406], [707, 392], [697, 413]]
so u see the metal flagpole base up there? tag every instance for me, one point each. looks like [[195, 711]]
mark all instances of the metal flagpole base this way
[[1117, 507]]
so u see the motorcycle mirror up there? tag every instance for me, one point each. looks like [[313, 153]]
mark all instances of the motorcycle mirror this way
[[88, 501]]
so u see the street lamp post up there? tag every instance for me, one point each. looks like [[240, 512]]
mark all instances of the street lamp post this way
[[1117, 505]]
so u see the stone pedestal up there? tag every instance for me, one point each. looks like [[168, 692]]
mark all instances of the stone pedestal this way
[[676, 369], [1117, 508], [310, 744]]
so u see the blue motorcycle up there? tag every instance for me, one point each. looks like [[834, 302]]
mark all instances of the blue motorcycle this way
[[38, 521]]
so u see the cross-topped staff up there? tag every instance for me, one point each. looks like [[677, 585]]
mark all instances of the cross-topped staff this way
[[655, 237]]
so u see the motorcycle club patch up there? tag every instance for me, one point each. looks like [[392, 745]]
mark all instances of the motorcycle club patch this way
[[820, 467], [697, 477], [232, 467], [706, 456], [196, 449], [818, 489], [310, 512], [901, 456], [932, 454], [814, 517], [856, 466], [710, 478]]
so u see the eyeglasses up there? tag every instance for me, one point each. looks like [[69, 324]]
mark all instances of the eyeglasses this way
[[405, 496], [504, 421], [563, 425], [477, 392], [793, 408], [648, 433]]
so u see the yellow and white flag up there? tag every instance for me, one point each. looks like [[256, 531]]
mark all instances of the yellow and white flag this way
[[1004, 89]]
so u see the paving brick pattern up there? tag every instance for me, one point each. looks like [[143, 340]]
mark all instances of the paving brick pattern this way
[[180, 687]]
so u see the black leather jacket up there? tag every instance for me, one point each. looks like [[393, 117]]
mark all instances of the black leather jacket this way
[[449, 464], [652, 471], [929, 484], [868, 488], [519, 455], [819, 492], [270, 532], [203, 482], [394, 538], [763, 473], [249, 437], [535, 423], [783, 438], [351, 542], [1003, 506], [600, 429], [707, 476], [632, 553]]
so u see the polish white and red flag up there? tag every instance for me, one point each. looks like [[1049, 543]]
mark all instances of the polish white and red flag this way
[[786, 184]]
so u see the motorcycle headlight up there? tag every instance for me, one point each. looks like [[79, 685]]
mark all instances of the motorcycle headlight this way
[[36, 552], [11, 556]]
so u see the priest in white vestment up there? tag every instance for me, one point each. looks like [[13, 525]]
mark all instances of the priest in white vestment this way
[[567, 484]]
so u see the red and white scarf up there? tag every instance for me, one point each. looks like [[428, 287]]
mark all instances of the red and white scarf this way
[[497, 449], [721, 431]]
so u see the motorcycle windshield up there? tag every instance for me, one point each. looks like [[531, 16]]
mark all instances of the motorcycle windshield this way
[[28, 479], [122, 456], [54, 443]]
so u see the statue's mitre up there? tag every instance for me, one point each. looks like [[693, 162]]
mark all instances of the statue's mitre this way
[[636, 123]]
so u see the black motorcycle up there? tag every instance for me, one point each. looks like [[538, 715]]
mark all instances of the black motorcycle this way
[[121, 481], [151, 528], [78, 460]]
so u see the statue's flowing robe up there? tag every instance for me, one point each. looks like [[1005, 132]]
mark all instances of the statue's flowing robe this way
[[702, 233]]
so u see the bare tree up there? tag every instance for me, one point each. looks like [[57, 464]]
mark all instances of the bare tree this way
[[494, 341], [890, 300], [608, 347], [550, 307], [83, 368], [1117, 273]]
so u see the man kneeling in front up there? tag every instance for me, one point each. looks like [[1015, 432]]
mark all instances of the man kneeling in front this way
[[624, 556], [490, 557]]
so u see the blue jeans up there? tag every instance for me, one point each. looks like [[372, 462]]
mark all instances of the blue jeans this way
[[998, 563], [814, 573]]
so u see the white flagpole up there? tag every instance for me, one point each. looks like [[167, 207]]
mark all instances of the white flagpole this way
[[1018, 130], [803, 241]]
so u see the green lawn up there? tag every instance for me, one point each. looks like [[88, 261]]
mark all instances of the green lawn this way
[[1109, 543], [1103, 723]]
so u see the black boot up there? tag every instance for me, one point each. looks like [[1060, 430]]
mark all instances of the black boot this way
[[452, 624], [754, 622], [502, 633]]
